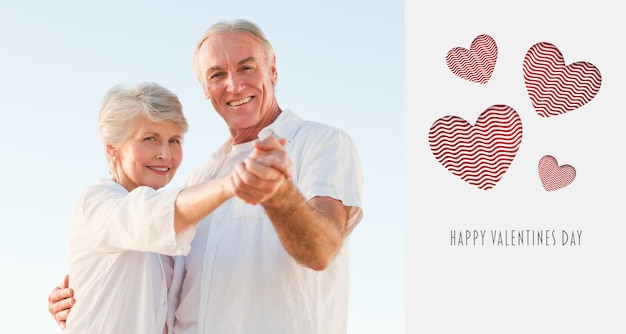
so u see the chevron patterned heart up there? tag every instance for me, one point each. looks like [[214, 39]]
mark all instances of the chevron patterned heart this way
[[477, 63], [553, 176]]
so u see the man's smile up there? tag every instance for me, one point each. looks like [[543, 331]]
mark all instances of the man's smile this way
[[237, 103]]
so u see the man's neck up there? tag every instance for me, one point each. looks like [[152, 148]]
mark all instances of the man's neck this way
[[240, 136]]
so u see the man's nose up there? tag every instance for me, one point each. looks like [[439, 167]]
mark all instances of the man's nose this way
[[234, 83]]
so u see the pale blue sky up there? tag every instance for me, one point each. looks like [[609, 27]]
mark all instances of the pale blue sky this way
[[339, 62]]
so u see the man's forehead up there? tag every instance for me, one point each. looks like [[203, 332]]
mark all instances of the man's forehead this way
[[229, 41], [223, 62], [217, 53]]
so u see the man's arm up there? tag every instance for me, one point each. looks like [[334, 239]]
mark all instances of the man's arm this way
[[311, 231], [60, 301]]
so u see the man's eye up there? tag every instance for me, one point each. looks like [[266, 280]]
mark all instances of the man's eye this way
[[175, 141], [216, 75]]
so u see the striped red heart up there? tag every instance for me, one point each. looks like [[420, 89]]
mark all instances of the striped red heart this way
[[478, 154], [555, 88], [477, 63]]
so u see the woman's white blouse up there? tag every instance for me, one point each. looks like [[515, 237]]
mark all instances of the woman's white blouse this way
[[119, 278]]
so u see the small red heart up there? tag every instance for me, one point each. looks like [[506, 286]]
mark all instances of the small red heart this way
[[554, 88], [553, 176], [478, 154], [477, 63]]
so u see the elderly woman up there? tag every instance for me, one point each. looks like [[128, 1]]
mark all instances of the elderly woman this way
[[121, 226]]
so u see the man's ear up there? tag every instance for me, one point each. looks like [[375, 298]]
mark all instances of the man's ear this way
[[205, 90], [273, 70]]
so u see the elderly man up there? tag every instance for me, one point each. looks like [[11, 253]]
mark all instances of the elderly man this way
[[280, 266]]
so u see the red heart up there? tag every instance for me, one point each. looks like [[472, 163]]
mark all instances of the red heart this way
[[554, 88], [477, 63], [553, 176], [478, 154]]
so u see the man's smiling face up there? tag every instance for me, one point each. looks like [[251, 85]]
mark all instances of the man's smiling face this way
[[239, 80]]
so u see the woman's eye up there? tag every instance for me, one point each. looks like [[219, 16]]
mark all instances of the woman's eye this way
[[149, 139]]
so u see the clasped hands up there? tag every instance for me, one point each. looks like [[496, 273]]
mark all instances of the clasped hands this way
[[263, 172]]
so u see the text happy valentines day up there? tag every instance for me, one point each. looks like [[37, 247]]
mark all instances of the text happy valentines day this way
[[515, 237]]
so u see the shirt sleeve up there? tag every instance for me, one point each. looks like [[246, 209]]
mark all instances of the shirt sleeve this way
[[329, 165], [140, 220]]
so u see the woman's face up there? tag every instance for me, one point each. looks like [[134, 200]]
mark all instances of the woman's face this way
[[150, 156]]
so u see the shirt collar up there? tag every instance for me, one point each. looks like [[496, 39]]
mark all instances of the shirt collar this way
[[284, 126]]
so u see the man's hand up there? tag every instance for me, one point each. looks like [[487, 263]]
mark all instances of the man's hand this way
[[271, 153], [260, 175], [60, 301]]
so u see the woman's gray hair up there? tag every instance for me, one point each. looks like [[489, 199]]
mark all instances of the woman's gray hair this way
[[239, 25], [125, 104]]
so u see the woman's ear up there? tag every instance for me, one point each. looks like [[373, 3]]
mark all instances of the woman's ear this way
[[111, 152]]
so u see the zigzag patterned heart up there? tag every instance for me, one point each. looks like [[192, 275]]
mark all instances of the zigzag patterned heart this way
[[553, 176], [477, 63]]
